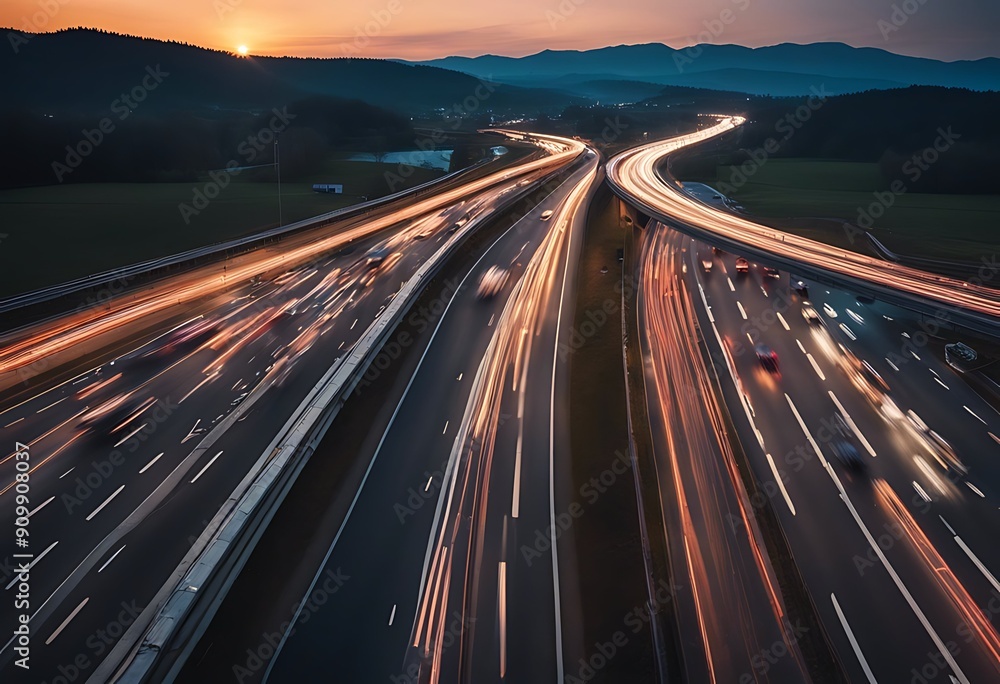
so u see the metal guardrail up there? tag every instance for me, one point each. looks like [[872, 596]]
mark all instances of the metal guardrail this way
[[241, 245], [971, 320], [246, 513]]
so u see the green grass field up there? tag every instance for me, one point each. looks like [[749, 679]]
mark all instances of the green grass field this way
[[961, 227], [56, 233]]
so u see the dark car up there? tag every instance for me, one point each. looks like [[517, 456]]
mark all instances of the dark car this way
[[801, 289], [768, 357], [849, 456]]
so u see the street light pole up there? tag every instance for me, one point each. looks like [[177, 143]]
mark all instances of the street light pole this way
[[277, 166]]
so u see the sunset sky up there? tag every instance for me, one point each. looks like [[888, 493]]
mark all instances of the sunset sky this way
[[424, 29]]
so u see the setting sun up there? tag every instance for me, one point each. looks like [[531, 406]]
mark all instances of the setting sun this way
[[242, 49]]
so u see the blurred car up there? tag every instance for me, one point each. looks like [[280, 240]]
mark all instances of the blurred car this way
[[424, 234], [491, 282], [939, 447], [830, 311], [547, 214], [849, 456], [459, 223], [185, 338], [768, 357], [110, 419], [801, 289], [772, 272], [742, 265], [811, 315], [706, 264], [717, 251]]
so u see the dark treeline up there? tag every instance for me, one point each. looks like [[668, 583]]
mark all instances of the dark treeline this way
[[182, 146], [897, 129]]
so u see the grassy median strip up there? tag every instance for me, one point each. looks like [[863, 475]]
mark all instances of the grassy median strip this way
[[607, 538]]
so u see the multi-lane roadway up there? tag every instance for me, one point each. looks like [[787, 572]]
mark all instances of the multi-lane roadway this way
[[122, 483], [447, 579]]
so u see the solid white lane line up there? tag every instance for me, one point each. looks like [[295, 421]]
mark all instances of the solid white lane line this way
[[14, 422], [106, 502], [784, 323], [815, 366], [805, 430], [67, 472], [742, 310], [917, 611], [445, 427], [32, 563], [781, 485], [130, 435], [207, 465], [731, 286], [354, 323], [392, 615], [108, 561], [894, 366], [41, 506], [914, 355], [371, 465], [852, 424], [853, 640], [195, 388], [974, 415], [428, 485], [938, 381], [146, 467], [52, 404], [65, 622], [975, 489], [978, 563], [803, 349], [502, 584]]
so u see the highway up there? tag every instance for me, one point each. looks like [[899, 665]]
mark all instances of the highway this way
[[729, 607], [52, 343], [121, 482], [636, 177], [900, 559], [446, 583]]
